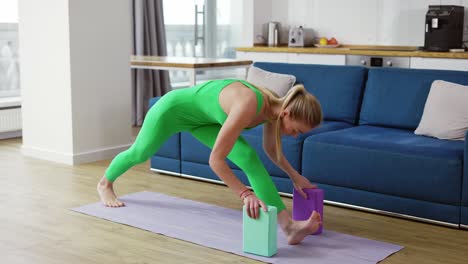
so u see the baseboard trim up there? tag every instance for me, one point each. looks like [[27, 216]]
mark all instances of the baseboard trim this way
[[45, 154], [99, 154], [166, 172], [348, 206], [73, 159], [11, 134]]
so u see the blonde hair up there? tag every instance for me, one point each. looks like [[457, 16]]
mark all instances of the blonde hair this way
[[303, 107]]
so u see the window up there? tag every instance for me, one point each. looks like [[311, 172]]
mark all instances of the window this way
[[201, 28], [9, 68]]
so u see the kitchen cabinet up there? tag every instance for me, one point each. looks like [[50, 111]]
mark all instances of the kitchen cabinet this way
[[325, 59], [439, 64], [263, 56], [413, 59]]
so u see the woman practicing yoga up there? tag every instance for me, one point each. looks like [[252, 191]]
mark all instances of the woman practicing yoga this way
[[215, 113]]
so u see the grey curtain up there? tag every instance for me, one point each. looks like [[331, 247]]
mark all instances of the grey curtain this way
[[149, 39]]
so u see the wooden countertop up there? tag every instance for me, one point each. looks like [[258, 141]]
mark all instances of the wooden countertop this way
[[398, 51], [185, 62]]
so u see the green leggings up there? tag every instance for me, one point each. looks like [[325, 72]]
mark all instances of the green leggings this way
[[161, 122]]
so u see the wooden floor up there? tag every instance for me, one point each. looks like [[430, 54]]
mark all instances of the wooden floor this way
[[38, 227]]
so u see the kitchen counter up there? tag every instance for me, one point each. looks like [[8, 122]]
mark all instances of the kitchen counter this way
[[398, 51]]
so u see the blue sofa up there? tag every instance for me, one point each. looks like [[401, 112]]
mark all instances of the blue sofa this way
[[365, 155]]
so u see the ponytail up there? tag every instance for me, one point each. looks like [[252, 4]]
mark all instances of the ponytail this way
[[297, 89], [304, 106]]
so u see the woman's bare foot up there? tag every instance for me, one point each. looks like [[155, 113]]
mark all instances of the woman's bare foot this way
[[298, 230], [106, 193]]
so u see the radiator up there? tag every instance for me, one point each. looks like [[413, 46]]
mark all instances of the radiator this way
[[10, 119]]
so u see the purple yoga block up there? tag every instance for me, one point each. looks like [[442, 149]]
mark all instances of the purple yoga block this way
[[303, 208]]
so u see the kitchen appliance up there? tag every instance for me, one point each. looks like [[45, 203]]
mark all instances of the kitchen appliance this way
[[300, 37], [444, 28], [296, 37], [272, 32], [378, 61]]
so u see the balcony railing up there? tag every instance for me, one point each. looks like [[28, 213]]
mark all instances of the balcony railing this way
[[180, 43], [9, 68]]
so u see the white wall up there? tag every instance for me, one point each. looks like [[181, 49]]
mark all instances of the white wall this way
[[242, 22], [262, 10], [45, 76], [75, 78], [365, 22], [100, 36]]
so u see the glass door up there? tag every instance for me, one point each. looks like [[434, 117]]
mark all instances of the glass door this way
[[200, 28], [9, 68]]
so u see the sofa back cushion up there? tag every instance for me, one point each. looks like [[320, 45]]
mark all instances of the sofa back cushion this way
[[396, 97], [276, 82], [338, 88]]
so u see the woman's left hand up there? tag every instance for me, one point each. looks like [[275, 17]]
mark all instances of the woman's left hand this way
[[300, 182]]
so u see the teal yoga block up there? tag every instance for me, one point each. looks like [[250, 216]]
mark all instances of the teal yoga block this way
[[260, 235]]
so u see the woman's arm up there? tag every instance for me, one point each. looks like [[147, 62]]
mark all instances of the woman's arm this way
[[239, 117], [240, 114]]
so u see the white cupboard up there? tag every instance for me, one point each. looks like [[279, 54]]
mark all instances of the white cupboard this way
[[262, 56], [439, 64], [300, 58], [340, 59], [324, 59]]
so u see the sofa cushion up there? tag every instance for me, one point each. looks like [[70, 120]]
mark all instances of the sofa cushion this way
[[445, 113], [388, 161], [292, 147], [338, 88], [392, 203], [396, 97], [276, 82], [194, 151]]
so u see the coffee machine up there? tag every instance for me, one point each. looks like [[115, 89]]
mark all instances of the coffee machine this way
[[444, 28]]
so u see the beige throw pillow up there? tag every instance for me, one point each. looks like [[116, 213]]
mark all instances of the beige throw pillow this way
[[276, 82], [445, 113]]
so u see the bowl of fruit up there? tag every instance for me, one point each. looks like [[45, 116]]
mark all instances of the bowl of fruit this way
[[327, 43]]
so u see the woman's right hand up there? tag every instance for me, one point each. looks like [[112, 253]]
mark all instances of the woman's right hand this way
[[252, 203]]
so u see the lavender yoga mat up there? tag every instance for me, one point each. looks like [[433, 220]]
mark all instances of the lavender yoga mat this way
[[221, 228]]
